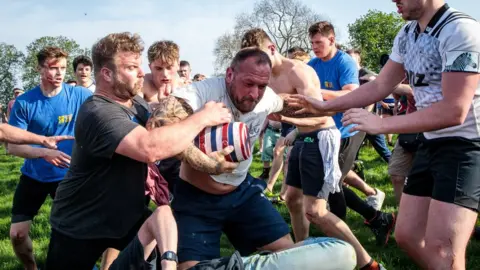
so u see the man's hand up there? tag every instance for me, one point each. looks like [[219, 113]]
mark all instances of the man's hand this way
[[306, 104], [215, 113], [51, 142], [57, 158], [223, 166], [365, 121]]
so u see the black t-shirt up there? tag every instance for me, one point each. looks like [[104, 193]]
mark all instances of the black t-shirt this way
[[103, 193]]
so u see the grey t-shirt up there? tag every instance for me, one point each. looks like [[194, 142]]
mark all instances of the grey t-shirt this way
[[103, 193]]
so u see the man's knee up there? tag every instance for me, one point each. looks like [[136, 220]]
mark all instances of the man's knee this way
[[397, 179], [406, 238], [19, 231], [439, 246], [294, 199], [316, 212]]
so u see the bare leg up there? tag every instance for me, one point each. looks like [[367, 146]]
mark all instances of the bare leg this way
[[398, 182], [277, 163], [331, 225], [108, 257], [355, 181], [22, 244], [411, 227], [447, 235], [300, 224]]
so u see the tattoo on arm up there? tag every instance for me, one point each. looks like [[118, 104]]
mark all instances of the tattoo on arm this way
[[173, 110]]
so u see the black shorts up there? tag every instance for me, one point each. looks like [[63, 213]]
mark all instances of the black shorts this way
[[305, 166], [447, 170], [286, 128], [65, 252], [348, 152], [132, 257], [29, 196]]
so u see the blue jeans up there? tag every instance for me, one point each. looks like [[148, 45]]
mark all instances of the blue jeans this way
[[380, 144], [314, 253]]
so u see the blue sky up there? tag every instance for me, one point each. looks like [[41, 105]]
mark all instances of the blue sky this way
[[193, 24]]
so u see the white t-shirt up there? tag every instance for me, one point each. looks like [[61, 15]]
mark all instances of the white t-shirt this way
[[450, 43], [198, 94], [92, 87]]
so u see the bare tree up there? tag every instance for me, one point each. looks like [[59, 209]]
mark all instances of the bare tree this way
[[285, 21], [225, 49]]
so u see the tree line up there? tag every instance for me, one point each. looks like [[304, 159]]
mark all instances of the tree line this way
[[286, 22]]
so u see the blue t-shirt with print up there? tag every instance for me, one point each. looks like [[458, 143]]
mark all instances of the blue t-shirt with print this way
[[48, 116], [335, 74]]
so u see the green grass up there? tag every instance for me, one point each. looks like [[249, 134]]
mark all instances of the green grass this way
[[376, 174]]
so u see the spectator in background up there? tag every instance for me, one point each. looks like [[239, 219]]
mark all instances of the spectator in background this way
[[72, 82], [50, 109], [293, 50], [82, 65], [199, 77], [365, 75], [184, 72], [16, 92]]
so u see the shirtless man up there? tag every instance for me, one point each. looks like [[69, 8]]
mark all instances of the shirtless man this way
[[309, 183]]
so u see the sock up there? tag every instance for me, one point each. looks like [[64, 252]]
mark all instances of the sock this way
[[372, 265]]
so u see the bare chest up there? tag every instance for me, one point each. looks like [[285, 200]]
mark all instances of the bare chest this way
[[281, 85]]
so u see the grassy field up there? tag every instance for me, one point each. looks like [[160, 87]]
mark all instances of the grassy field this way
[[376, 174]]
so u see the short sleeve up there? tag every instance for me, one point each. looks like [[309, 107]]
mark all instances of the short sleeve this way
[[18, 115], [348, 72], [103, 129], [460, 47], [191, 95], [274, 103], [399, 44], [84, 94]]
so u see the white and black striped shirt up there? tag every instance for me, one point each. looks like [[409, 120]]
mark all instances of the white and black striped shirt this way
[[450, 43]]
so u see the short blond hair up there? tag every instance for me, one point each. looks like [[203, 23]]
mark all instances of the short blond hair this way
[[167, 51], [302, 56], [255, 37], [106, 48]]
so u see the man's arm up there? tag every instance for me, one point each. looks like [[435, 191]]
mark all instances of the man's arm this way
[[458, 91], [305, 83], [14, 135], [403, 90], [174, 110], [329, 94], [168, 141], [389, 78]]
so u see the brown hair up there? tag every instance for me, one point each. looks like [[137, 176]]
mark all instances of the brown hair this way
[[323, 28], [106, 48], [354, 51], [261, 58], [254, 37], [50, 52], [167, 51], [82, 59], [302, 56]]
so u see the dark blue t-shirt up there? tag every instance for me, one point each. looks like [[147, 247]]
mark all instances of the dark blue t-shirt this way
[[335, 74], [48, 116]]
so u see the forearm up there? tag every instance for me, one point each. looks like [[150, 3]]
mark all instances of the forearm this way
[[329, 94], [438, 116], [305, 122], [171, 140], [26, 151], [363, 96], [403, 90], [165, 233], [14, 135], [200, 161]]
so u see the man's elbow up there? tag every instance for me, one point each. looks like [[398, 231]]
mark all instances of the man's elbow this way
[[456, 116]]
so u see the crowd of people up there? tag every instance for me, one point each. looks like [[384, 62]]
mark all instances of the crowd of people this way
[[114, 141]]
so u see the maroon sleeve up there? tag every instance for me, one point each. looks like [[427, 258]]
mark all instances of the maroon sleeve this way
[[156, 186]]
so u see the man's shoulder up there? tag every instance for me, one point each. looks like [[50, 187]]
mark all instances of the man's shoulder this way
[[29, 96], [77, 90]]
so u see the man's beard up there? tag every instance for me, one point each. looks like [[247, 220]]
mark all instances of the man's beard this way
[[238, 102], [124, 91]]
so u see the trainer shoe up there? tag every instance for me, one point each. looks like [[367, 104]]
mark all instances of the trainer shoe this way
[[382, 226], [376, 201]]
